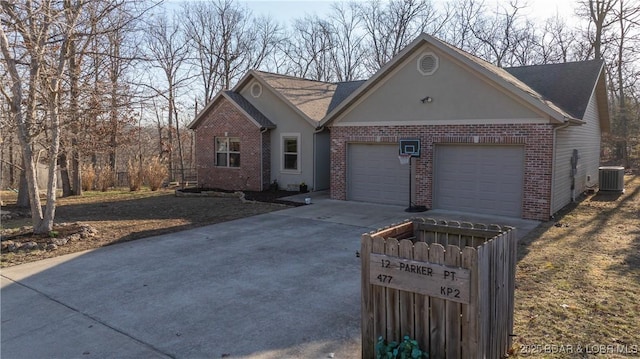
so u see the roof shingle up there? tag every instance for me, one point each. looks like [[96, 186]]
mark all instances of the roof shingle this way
[[568, 85], [313, 98], [261, 119]]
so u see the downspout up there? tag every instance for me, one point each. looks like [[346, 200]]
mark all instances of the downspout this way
[[553, 164], [262, 132]]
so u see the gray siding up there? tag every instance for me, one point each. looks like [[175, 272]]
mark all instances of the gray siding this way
[[457, 93], [586, 139], [323, 163], [287, 122]]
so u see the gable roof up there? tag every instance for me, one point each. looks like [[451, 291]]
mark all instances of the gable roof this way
[[311, 97], [498, 75], [252, 113], [570, 85]]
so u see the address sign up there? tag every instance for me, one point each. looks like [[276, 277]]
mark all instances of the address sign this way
[[435, 280]]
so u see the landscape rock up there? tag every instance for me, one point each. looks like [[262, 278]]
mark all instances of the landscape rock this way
[[59, 241], [5, 215], [51, 247], [9, 246], [75, 237], [28, 246]]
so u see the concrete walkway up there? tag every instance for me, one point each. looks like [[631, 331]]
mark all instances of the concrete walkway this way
[[280, 285]]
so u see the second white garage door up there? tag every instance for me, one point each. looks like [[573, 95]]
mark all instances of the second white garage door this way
[[482, 179], [374, 174]]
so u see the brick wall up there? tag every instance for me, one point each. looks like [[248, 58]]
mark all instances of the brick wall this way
[[536, 138], [225, 120]]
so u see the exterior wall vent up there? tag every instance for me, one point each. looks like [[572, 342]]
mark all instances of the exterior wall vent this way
[[612, 179], [256, 90], [428, 63]]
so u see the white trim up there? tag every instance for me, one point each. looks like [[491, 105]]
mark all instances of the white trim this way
[[497, 121], [295, 135]]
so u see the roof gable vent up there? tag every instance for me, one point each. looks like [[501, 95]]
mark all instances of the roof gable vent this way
[[427, 63], [256, 90]]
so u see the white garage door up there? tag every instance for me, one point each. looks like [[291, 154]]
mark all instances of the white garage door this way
[[374, 174], [484, 179]]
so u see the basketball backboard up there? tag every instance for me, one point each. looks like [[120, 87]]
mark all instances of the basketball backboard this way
[[410, 146]]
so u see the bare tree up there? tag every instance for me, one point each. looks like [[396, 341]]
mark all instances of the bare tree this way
[[500, 34], [226, 41], [347, 53], [168, 52], [600, 15], [626, 44], [458, 30], [39, 32], [390, 27], [309, 49]]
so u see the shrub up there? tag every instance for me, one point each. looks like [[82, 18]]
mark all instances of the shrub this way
[[104, 178], [88, 177], [134, 172], [155, 172], [407, 349]]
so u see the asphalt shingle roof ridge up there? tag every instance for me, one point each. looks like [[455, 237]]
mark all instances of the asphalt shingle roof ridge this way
[[294, 77]]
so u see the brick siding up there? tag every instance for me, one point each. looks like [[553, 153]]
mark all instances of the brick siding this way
[[225, 118], [536, 138]]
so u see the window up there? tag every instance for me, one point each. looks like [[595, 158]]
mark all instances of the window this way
[[291, 152], [227, 152]]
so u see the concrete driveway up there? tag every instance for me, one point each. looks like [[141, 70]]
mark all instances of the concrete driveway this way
[[280, 285]]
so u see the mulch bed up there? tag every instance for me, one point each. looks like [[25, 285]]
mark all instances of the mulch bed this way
[[267, 196]]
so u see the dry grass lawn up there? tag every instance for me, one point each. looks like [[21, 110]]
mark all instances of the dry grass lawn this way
[[121, 216], [578, 281]]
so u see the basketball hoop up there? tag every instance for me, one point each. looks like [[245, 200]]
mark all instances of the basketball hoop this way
[[404, 158]]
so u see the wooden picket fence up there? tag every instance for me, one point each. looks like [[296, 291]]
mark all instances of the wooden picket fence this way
[[449, 285]]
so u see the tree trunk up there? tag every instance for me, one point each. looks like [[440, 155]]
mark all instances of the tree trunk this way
[[77, 173], [170, 132], [182, 180], [12, 176], [46, 225], [23, 191], [63, 163]]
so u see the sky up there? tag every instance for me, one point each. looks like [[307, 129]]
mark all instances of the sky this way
[[286, 10]]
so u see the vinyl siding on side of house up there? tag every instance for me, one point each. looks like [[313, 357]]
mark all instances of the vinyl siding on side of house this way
[[586, 139]]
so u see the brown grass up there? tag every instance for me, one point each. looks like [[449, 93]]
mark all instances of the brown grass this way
[[122, 215], [578, 281]]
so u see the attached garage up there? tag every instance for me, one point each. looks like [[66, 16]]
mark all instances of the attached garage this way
[[374, 174], [483, 179]]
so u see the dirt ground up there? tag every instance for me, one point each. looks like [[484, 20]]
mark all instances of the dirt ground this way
[[120, 216], [578, 281]]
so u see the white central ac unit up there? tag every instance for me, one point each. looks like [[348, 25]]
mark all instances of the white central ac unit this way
[[612, 179]]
